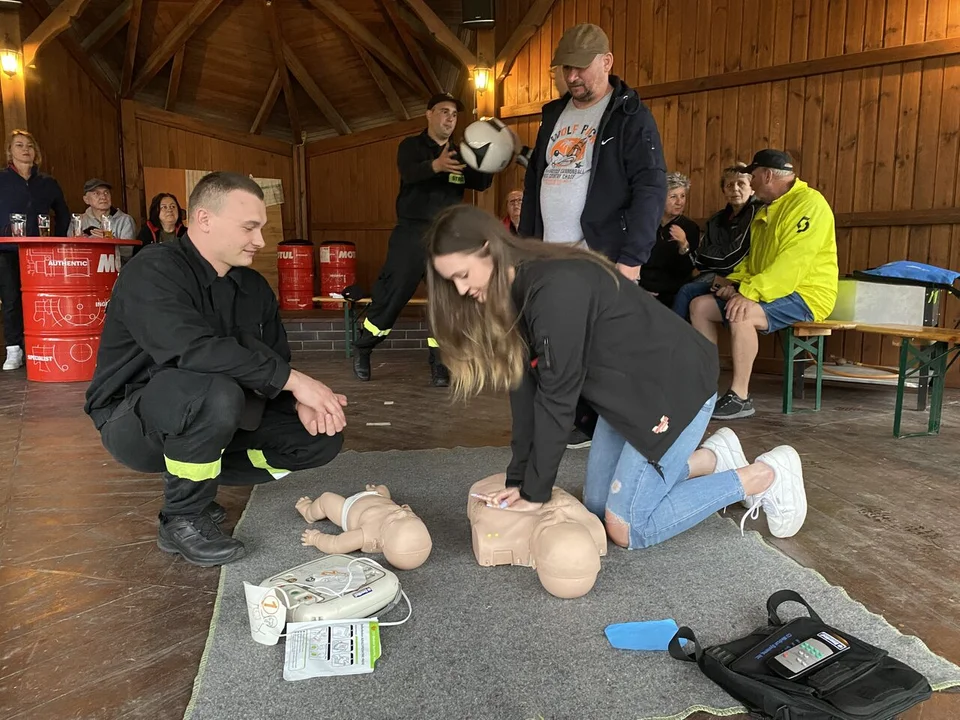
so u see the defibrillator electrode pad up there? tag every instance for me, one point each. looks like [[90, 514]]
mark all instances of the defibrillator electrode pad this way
[[332, 587]]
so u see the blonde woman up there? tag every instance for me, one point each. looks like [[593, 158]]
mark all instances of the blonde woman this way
[[552, 323], [27, 191]]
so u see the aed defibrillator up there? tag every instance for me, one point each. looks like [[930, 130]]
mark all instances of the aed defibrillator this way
[[335, 587]]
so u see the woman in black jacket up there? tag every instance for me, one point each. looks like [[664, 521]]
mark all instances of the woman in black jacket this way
[[26, 191], [553, 323], [164, 221]]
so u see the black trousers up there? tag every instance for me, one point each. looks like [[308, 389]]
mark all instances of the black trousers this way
[[201, 431], [398, 280], [11, 298]]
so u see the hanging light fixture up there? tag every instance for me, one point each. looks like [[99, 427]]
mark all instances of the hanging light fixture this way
[[481, 77], [9, 57]]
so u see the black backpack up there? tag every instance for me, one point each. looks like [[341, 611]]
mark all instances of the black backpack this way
[[861, 682]]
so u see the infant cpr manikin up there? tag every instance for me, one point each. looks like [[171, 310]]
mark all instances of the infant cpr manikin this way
[[371, 522], [563, 540]]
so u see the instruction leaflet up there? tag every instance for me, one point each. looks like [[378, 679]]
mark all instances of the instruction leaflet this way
[[322, 648]]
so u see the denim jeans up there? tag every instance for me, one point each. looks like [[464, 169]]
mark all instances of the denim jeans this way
[[693, 289], [622, 481]]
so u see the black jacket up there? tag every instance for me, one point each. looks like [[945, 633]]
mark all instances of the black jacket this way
[[164, 312], [667, 270], [424, 193], [638, 364], [149, 233], [726, 241], [628, 181], [39, 195]]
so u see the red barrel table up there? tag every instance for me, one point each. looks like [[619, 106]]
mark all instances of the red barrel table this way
[[66, 285], [295, 274], [338, 269]]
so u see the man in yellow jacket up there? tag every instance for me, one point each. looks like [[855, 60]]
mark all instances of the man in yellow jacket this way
[[789, 276]]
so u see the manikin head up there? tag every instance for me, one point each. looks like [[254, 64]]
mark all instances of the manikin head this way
[[227, 215], [442, 112], [584, 60], [736, 187], [405, 540], [472, 260], [772, 174], [566, 556]]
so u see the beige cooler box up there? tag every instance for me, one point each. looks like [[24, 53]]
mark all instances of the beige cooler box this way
[[878, 303]]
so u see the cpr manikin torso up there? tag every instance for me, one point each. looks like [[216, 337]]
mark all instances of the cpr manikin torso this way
[[562, 540], [371, 522]]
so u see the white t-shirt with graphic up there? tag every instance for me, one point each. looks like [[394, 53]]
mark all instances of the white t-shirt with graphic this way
[[563, 190]]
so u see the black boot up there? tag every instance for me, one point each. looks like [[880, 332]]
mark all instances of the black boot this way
[[439, 374], [361, 365], [216, 512], [198, 539]]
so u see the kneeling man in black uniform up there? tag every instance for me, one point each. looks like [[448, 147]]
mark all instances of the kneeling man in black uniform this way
[[193, 375]]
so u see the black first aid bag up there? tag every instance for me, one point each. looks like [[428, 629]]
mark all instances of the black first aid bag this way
[[807, 670]]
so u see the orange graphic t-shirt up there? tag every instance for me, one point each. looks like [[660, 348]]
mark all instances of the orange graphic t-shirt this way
[[563, 190]]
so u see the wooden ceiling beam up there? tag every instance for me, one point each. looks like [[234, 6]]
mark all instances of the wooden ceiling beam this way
[[59, 19], [175, 39], [442, 34], [392, 13], [105, 31], [383, 82], [266, 107], [313, 90], [521, 34], [173, 85], [272, 21], [357, 31], [130, 53], [98, 73]]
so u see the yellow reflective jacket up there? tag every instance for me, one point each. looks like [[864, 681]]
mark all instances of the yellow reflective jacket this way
[[793, 248]]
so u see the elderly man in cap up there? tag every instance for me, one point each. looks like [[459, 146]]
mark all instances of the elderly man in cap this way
[[790, 274], [99, 200], [432, 177], [597, 176]]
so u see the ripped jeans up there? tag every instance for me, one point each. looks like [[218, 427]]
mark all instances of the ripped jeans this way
[[621, 481]]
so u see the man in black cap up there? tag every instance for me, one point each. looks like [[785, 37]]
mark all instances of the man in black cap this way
[[432, 177], [99, 199], [790, 274]]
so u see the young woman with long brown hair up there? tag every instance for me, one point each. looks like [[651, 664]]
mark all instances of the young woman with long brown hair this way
[[551, 323]]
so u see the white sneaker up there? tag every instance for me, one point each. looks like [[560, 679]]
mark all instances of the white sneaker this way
[[725, 445], [14, 358], [785, 501]]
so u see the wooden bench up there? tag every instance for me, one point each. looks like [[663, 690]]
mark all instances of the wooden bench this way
[[350, 314], [925, 352]]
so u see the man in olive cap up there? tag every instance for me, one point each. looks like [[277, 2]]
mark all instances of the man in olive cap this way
[[597, 174]]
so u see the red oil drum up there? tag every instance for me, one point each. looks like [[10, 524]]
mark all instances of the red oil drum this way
[[295, 274], [338, 269], [66, 286]]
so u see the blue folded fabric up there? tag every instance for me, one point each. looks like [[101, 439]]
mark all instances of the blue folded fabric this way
[[648, 635], [920, 272]]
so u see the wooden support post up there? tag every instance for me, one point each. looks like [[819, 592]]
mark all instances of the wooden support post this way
[[486, 106], [132, 170], [301, 215], [12, 88]]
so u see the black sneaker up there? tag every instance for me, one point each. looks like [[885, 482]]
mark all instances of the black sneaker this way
[[361, 365], [578, 440], [216, 512], [198, 539], [439, 375], [731, 406]]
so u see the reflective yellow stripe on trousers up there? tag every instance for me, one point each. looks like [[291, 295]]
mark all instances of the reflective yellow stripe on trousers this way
[[193, 471], [259, 461], [373, 329]]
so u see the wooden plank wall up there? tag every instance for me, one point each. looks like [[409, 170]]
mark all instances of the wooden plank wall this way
[[164, 146], [879, 140]]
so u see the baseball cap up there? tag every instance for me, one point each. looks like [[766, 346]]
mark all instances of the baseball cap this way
[[94, 183], [444, 97], [770, 158], [580, 45]]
